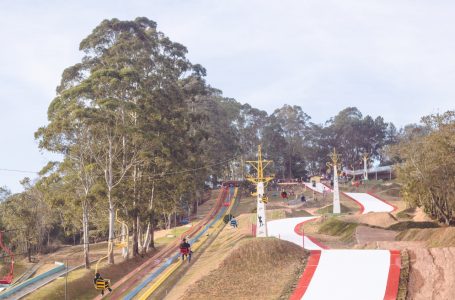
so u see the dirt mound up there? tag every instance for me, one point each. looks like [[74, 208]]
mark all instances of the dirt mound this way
[[433, 237], [421, 216], [381, 219], [392, 245], [256, 269], [365, 234], [431, 273]]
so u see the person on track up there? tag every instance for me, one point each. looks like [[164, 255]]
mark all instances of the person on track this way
[[185, 250], [234, 223], [98, 279]]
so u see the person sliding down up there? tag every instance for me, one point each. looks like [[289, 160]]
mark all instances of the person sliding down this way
[[99, 279], [185, 250], [234, 222]]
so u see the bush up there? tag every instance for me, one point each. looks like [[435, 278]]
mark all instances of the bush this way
[[411, 224], [336, 227], [298, 213], [329, 209]]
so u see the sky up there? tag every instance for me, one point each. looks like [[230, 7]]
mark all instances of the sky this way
[[388, 58]]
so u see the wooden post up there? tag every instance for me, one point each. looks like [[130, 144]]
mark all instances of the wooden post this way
[[303, 238]]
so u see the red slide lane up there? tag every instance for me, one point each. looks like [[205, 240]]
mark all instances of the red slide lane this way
[[307, 275], [393, 280], [383, 200]]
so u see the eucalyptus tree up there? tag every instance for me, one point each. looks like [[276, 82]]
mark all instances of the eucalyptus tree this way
[[294, 125], [273, 143], [67, 133], [125, 95], [29, 216], [354, 134], [4, 193]]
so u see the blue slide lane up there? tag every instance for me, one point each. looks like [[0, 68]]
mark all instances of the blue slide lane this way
[[168, 262], [30, 281]]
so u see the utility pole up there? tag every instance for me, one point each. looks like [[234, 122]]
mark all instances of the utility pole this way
[[260, 182], [66, 280], [334, 156]]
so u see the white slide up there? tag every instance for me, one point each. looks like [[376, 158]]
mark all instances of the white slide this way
[[370, 203], [343, 274], [350, 274], [285, 229], [320, 188]]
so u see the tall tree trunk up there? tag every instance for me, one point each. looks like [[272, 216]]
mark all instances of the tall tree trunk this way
[[140, 234], [110, 183], [135, 234], [110, 259], [147, 239], [151, 243], [29, 251], [125, 240], [86, 239]]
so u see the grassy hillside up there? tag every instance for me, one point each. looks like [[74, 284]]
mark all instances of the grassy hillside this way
[[257, 269]]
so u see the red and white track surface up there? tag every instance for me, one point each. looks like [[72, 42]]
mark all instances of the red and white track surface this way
[[320, 188], [370, 203], [285, 229], [350, 274], [343, 274]]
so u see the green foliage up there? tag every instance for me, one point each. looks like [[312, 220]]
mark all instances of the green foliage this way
[[335, 227], [404, 275], [298, 213], [411, 224], [29, 216], [329, 209], [427, 169], [4, 193]]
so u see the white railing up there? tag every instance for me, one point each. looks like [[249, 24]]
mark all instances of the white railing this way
[[370, 170]]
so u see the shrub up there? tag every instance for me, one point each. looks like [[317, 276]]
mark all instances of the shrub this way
[[411, 224]]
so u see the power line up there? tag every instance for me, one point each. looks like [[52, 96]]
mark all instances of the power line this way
[[156, 176], [18, 171]]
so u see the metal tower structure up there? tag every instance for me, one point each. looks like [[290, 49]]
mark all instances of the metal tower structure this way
[[335, 157], [260, 180]]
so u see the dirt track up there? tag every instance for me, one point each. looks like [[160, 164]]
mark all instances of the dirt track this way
[[431, 274], [366, 234]]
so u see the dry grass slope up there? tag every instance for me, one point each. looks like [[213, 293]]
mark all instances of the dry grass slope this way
[[256, 269], [433, 237]]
